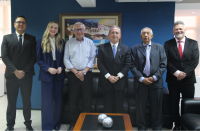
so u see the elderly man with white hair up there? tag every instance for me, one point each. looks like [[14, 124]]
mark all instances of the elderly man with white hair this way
[[148, 64], [79, 59]]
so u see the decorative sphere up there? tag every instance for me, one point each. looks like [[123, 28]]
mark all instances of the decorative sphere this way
[[107, 122], [101, 117]]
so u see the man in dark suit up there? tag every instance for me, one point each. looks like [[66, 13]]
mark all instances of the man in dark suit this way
[[114, 63], [182, 59], [18, 54], [148, 61]]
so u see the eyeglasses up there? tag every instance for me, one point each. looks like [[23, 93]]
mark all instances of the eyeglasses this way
[[19, 22], [77, 30]]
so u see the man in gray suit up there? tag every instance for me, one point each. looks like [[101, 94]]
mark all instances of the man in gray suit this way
[[148, 63]]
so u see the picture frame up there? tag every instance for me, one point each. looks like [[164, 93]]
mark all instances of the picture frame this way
[[97, 25]]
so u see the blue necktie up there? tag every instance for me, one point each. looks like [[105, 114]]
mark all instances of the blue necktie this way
[[20, 42], [147, 66], [114, 50]]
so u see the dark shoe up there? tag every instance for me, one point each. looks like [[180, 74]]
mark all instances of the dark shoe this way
[[9, 129], [176, 128], [29, 128], [70, 128]]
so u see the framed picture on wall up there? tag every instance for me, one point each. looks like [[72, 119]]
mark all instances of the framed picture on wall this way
[[97, 25]]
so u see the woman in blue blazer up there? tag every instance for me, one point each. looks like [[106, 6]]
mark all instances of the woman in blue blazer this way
[[49, 56]]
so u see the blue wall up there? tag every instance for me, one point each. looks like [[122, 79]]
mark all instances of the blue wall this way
[[157, 15]]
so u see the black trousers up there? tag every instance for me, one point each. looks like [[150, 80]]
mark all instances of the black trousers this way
[[13, 85], [113, 97], [77, 89], [187, 91], [154, 95]]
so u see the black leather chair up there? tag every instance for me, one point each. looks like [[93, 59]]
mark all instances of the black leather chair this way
[[190, 114], [129, 105]]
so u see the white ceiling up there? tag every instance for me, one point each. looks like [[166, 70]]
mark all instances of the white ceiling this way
[[147, 0], [190, 1], [187, 9], [182, 7], [179, 1]]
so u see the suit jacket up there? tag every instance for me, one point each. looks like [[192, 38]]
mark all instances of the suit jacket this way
[[108, 64], [45, 60], [158, 61], [16, 59], [187, 64]]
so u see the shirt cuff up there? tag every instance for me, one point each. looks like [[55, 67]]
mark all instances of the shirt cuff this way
[[177, 73], [107, 75], [155, 78], [141, 79], [120, 75], [90, 66]]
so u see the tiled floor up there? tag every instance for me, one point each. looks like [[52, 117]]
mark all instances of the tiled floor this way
[[35, 117]]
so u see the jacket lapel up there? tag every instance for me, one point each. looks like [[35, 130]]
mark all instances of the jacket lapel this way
[[142, 50], [109, 49], [119, 50], [186, 47], [153, 49], [17, 41], [174, 46], [24, 43]]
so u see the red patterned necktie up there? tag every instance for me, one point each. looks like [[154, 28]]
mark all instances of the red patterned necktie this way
[[180, 49]]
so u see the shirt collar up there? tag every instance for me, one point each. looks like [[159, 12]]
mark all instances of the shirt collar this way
[[77, 39], [146, 44], [52, 39], [114, 44], [183, 40], [19, 34]]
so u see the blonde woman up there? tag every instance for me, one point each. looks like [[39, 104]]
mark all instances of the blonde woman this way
[[49, 56]]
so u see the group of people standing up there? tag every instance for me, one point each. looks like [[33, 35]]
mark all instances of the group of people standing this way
[[146, 60]]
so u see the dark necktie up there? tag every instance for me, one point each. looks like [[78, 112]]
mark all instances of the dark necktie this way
[[20, 42], [180, 49]]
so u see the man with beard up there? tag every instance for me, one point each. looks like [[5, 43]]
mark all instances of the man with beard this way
[[182, 59]]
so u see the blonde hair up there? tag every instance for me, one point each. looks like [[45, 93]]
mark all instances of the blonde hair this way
[[46, 45]]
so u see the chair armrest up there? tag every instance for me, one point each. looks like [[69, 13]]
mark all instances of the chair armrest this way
[[190, 105]]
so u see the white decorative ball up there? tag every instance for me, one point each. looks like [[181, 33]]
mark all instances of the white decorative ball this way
[[107, 122], [101, 117]]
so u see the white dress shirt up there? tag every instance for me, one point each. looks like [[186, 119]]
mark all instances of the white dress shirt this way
[[19, 37], [183, 45], [79, 55], [119, 74], [53, 45]]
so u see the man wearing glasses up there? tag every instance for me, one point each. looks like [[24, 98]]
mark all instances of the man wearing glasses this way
[[79, 59], [18, 54]]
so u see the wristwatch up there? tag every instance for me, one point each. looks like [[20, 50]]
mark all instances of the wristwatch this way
[[84, 72]]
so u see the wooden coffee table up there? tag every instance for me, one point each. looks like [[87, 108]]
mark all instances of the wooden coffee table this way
[[126, 119]]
